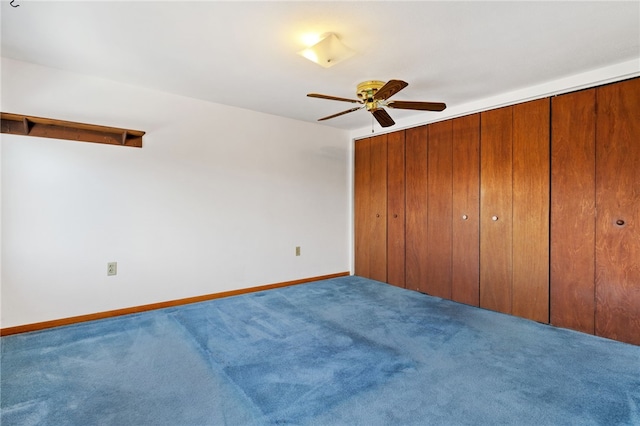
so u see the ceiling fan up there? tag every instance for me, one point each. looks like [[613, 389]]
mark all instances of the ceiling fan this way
[[374, 94]]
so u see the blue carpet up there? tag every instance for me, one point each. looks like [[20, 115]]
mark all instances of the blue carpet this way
[[346, 351]]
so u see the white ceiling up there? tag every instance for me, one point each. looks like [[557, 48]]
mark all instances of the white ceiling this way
[[244, 53]]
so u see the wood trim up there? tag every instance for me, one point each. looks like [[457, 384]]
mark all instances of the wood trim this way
[[17, 124], [137, 309]]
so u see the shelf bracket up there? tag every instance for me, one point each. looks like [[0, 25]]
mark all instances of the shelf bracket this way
[[27, 126]]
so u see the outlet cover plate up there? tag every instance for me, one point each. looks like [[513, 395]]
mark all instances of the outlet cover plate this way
[[112, 268]]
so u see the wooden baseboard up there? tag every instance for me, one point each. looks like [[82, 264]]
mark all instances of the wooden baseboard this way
[[136, 309]]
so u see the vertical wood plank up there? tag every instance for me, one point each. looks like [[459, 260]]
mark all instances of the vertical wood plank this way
[[618, 211], [362, 201], [531, 199], [465, 266], [378, 229], [416, 207], [439, 202], [573, 175], [496, 202], [396, 209]]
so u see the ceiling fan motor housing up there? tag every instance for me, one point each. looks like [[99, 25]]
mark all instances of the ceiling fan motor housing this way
[[367, 89]]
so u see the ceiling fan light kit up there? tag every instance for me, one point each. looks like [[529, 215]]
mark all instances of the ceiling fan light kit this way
[[328, 51], [373, 96]]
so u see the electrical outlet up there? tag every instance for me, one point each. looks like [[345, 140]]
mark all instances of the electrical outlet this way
[[112, 268], [297, 250]]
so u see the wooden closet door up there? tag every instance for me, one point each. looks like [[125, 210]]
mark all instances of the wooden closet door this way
[[618, 211], [496, 179], [361, 207], [370, 208], [416, 207], [378, 211], [395, 209], [439, 203], [531, 187], [465, 261], [573, 181]]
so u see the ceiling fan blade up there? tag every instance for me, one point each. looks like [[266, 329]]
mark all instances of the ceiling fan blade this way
[[422, 106], [333, 98], [339, 114], [391, 88], [383, 117]]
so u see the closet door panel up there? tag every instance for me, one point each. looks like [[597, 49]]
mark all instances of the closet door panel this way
[[465, 262], [618, 211], [416, 207], [573, 176], [378, 212], [439, 202], [362, 201], [531, 168], [495, 210], [396, 209]]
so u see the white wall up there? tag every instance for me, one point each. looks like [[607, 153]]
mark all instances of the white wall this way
[[217, 199], [592, 78]]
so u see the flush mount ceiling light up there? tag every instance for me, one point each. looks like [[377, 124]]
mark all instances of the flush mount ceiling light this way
[[328, 51]]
